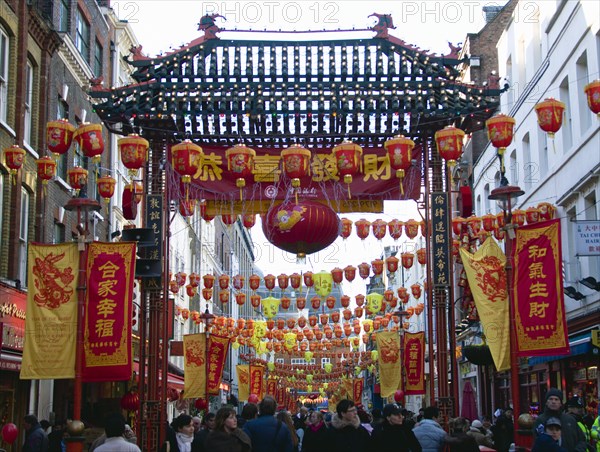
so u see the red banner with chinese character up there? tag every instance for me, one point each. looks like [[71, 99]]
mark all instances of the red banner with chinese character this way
[[257, 374], [414, 363], [108, 305], [217, 353], [357, 390], [538, 299], [272, 387], [280, 396]]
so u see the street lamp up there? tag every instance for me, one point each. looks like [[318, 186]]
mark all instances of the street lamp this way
[[506, 195]]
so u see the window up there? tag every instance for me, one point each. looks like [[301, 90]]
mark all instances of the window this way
[[4, 50], [64, 14], [325, 361], [98, 60], [582, 80], [566, 129], [58, 233], [28, 103], [529, 167], [23, 236], [82, 36]]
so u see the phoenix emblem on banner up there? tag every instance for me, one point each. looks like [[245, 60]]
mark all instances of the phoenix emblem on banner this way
[[389, 350], [194, 354], [491, 278], [52, 282]]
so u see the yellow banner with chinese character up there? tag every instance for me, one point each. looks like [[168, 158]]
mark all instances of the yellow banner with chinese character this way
[[51, 321], [243, 377], [194, 365], [487, 280], [388, 345]]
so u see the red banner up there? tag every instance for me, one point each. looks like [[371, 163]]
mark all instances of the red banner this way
[[217, 353], [414, 363], [108, 305], [272, 387], [280, 396], [257, 375], [357, 390], [377, 180], [538, 299]]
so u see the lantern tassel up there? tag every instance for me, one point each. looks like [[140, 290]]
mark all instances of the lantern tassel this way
[[241, 195], [401, 188], [296, 196], [349, 194]]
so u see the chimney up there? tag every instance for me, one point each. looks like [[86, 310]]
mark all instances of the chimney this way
[[490, 12]]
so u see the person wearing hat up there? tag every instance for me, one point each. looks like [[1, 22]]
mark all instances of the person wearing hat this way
[[575, 409], [549, 438], [572, 438], [504, 430], [392, 434], [476, 431]]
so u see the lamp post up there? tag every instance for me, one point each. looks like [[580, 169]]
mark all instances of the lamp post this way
[[505, 194]]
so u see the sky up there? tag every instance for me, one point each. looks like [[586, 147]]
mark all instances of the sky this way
[[162, 26]]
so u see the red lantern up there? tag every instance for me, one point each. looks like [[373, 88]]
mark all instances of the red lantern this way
[[338, 275], [209, 281], [201, 404], [360, 299], [449, 143], [204, 212], [130, 401], [240, 161], [474, 225], [300, 302], [377, 266], [592, 93], [532, 214], [500, 131], [187, 207], [411, 227], [286, 302], [59, 135], [489, 222], [315, 302], [392, 263], [173, 286], [269, 281], [330, 301], [455, 247], [228, 219], [301, 228], [255, 300], [254, 281], [296, 162], [457, 225], [422, 256], [358, 312], [106, 186], [248, 220], [186, 159], [350, 273], [379, 229], [308, 279], [395, 228], [46, 169], [362, 228], [364, 270], [500, 220], [134, 152], [399, 153], [191, 290], [518, 217], [78, 177], [283, 281], [547, 211], [550, 115], [403, 294], [348, 157], [224, 296], [416, 290], [14, 157], [388, 295], [194, 279], [240, 298], [224, 282], [345, 301], [407, 260], [346, 228], [499, 234], [295, 280], [89, 138]]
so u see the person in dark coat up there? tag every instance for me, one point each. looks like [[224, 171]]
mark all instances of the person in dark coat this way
[[572, 438], [180, 436], [227, 437], [346, 433], [316, 434], [459, 441], [36, 439], [504, 431], [266, 433], [249, 412], [392, 435], [549, 437]]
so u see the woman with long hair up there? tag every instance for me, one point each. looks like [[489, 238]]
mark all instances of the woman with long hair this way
[[316, 435], [180, 436], [227, 437], [285, 417]]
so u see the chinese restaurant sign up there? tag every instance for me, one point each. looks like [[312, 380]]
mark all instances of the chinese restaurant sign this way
[[108, 306], [414, 363], [538, 291], [154, 215], [440, 239], [587, 238]]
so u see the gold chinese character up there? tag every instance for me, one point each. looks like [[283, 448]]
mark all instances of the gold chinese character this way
[[538, 310], [538, 289], [105, 287], [104, 327], [106, 307], [536, 270], [376, 168], [210, 170], [108, 270], [535, 252]]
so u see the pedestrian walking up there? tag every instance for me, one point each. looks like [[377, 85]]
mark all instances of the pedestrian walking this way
[[180, 436], [316, 435], [36, 439], [392, 435], [226, 436], [115, 428], [549, 437], [285, 417], [346, 434], [266, 433], [429, 432], [458, 440]]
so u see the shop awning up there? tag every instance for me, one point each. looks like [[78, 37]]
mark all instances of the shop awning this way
[[580, 345]]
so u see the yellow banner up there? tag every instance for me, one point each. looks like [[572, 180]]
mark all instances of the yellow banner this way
[[388, 345], [194, 364], [243, 376], [51, 321], [487, 280]]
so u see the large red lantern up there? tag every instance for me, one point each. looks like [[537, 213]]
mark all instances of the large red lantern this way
[[500, 131], [10, 433], [186, 159], [346, 229], [78, 177], [301, 228], [362, 228], [449, 143], [14, 157], [592, 93], [89, 138], [348, 158], [130, 401], [395, 228], [550, 115], [133, 150], [399, 153], [379, 229], [46, 169], [59, 135], [106, 186], [240, 161]]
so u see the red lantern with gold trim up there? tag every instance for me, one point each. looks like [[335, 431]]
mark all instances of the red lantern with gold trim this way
[[399, 154], [59, 135], [407, 260], [133, 150], [285, 302], [46, 169], [338, 275], [208, 281], [255, 300], [364, 270], [204, 212], [229, 219], [330, 301], [315, 302], [269, 281], [379, 229], [186, 159], [248, 220], [283, 281], [457, 225], [346, 229], [308, 279], [194, 279], [348, 158], [388, 295], [499, 234], [191, 290], [254, 282], [360, 299], [422, 256], [550, 115], [377, 266], [345, 301], [300, 302], [392, 263], [592, 93], [500, 131], [187, 207], [416, 290], [78, 177], [547, 211], [90, 140], [474, 225], [488, 222], [224, 296], [449, 143], [362, 228], [106, 187], [224, 282], [240, 298], [295, 280], [518, 217], [532, 215], [14, 157], [395, 228], [240, 161], [349, 273], [411, 227]]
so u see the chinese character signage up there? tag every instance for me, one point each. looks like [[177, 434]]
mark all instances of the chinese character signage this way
[[154, 213], [414, 363], [538, 291], [108, 307], [357, 389], [440, 239], [217, 352], [272, 387], [587, 238], [257, 374], [51, 321], [194, 365]]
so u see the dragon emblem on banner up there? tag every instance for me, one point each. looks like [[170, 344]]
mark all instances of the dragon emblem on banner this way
[[52, 283]]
